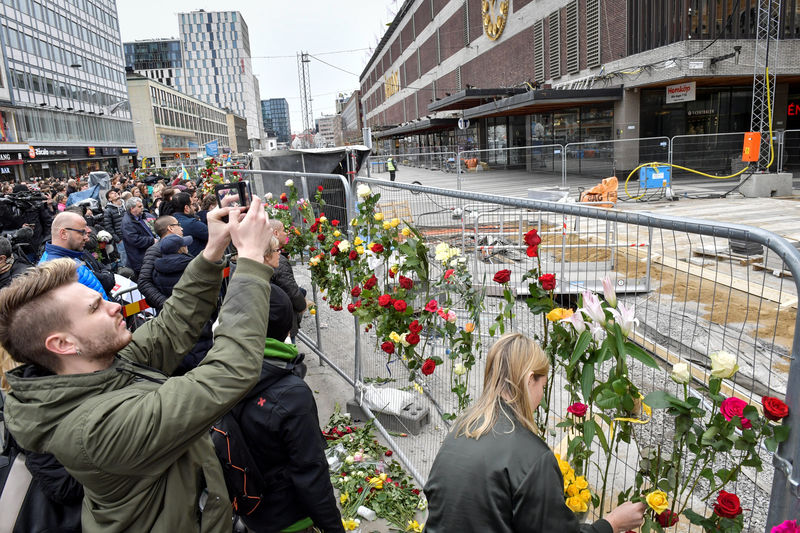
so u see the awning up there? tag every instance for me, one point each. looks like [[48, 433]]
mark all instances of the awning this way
[[424, 125], [544, 100], [471, 98]]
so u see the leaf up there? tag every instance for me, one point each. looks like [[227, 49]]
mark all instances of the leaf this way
[[580, 347], [640, 355], [589, 428], [565, 424], [709, 435], [601, 435], [437, 360], [587, 381], [781, 433], [659, 399]]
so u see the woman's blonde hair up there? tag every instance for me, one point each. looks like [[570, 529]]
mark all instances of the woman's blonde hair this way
[[508, 364]]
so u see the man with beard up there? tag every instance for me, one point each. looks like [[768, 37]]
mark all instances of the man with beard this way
[[97, 397]]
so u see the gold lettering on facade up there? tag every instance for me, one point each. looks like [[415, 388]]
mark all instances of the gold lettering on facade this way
[[495, 14], [391, 83]]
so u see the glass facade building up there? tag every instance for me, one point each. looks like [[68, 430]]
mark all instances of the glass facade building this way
[[275, 113], [160, 60], [65, 97], [218, 68]]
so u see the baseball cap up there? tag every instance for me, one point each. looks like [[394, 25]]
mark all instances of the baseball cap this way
[[172, 243]]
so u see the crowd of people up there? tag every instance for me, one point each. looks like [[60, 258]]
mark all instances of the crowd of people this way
[[114, 425]]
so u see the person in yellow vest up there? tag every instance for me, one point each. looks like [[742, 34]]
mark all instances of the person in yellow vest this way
[[391, 167]]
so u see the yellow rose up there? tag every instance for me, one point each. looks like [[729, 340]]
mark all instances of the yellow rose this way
[[350, 524], [414, 526], [360, 250], [343, 498], [354, 222], [357, 241], [394, 269], [378, 217], [469, 327], [312, 312], [337, 233], [395, 222], [406, 232], [585, 495], [395, 337], [577, 505], [657, 500], [564, 467], [323, 219], [558, 314], [581, 482], [387, 225], [572, 490]]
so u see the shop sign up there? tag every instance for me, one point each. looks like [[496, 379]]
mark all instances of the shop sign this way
[[794, 109], [391, 84], [5, 170], [682, 92], [91, 151]]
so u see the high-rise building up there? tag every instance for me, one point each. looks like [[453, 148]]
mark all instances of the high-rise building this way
[[219, 71], [275, 113], [157, 59], [64, 105], [327, 126]]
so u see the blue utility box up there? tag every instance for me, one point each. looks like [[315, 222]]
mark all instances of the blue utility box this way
[[654, 177]]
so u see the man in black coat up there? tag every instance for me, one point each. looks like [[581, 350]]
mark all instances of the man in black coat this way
[[279, 420], [163, 226], [136, 234], [284, 278], [112, 221], [10, 266]]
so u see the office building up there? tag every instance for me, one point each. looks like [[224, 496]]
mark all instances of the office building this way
[[275, 113], [157, 59], [569, 71], [216, 46], [351, 119], [171, 127], [237, 133], [327, 126], [63, 100]]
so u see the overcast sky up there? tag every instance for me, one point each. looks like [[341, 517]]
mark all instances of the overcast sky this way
[[283, 28]]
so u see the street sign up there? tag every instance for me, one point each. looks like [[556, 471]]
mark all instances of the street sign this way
[[212, 148], [463, 123]]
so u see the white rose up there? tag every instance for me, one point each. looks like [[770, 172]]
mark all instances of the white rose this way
[[723, 364], [459, 369], [289, 183], [363, 190], [344, 246], [268, 196], [681, 373]]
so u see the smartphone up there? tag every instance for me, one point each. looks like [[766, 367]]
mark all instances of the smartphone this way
[[233, 194]]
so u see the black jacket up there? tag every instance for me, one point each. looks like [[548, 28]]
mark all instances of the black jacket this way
[[112, 220], [154, 297], [284, 278], [137, 238], [507, 481], [16, 269], [279, 418], [167, 270]]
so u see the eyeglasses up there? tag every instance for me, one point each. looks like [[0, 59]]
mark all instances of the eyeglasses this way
[[81, 231]]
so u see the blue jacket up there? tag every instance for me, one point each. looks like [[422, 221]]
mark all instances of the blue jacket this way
[[194, 228], [167, 270], [85, 276], [137, 238]]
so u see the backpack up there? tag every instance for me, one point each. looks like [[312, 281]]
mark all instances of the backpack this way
[[245, 484]]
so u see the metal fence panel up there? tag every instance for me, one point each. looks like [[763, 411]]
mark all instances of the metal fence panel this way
[[443, 160], [543, 163], [717, 153], [693, 295], [789, 160]]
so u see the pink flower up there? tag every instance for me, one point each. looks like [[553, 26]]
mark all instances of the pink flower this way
[[578, 409], [789, 526], [733, 406]]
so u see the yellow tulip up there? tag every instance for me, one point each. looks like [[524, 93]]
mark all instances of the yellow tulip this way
[[343, 498], [657, 500], [558, 314], [406, 232], [312, 312]]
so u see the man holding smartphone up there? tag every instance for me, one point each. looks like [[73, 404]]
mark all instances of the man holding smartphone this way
[[98, 397]]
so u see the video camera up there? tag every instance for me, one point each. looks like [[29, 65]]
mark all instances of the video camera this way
[[23, 235]]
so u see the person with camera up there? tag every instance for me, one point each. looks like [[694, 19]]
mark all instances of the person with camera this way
[[97, 397], [69, 236]]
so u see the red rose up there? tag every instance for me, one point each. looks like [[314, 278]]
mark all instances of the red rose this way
[[432, 306], [548, 281], [320, 237], [353, 255], [532, 238], [314, 227], [532, 251], [731, 407], [388, 347], [385, 300], [727, 505], [415, 491], [377, 248], [360, 490], [428, 366], [412, 339], [371, 282], [319, 188], [503, 276], [774, 409], [406, 283], [284, 197], [388, 453], [358, 304], [578, 409], [448, 273], [334, 223], [400, 306], [391, 273], [667, 518], [355, 292], [335, 250], [414, 327], [351, 308]]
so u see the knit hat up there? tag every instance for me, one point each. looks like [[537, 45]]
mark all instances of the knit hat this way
[[281, 314]]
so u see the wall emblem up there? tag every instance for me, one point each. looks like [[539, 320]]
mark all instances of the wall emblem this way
[[494, 13]]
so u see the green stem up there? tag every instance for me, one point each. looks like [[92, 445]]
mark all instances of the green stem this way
[[605, 473], [691, 491]]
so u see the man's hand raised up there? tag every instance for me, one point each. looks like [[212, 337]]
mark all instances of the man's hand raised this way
[[251, 232], [218, 234]]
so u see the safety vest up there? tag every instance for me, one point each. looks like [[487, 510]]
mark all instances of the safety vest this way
[[390, 165]]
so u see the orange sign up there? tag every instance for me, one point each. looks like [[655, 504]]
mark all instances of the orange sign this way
[[752, 146], [91, 150], [32, 152]]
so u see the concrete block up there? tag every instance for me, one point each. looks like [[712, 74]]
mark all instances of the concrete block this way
[[411, 419], [767, 185]]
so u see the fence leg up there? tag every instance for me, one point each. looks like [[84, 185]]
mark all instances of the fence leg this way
[[317, 321]]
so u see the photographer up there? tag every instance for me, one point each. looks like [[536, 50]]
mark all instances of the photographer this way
[[10, 266], [24, 207]]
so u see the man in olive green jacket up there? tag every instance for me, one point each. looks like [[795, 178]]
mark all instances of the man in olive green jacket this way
[[96, 398]]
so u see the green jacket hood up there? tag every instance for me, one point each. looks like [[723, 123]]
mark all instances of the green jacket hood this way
[[38, 400], [279, 350]]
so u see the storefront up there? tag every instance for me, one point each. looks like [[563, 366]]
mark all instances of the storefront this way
[[11, 160], [67, 162]]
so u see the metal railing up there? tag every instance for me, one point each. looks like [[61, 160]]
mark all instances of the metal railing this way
[[444, 161]]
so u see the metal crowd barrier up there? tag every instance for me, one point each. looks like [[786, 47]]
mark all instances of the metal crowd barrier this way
[[693, 295]]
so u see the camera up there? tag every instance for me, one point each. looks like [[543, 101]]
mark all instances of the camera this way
[[233, 194]]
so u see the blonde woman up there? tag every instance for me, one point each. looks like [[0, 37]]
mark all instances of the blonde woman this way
[[493, 472]]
